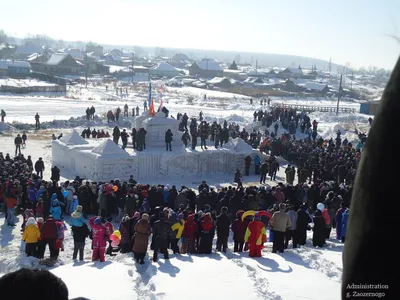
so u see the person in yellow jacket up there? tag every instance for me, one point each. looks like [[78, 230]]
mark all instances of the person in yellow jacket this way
[[256, 236], [31, 236]]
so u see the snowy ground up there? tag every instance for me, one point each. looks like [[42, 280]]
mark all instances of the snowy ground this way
[[305, 273]]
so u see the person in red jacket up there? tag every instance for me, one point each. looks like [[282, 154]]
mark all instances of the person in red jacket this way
[[256, 236], [239, 230], [49, 235], [100, 235], [190, 233]]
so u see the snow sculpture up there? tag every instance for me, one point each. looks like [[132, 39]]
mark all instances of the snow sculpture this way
[[73, 139], [156, 127]]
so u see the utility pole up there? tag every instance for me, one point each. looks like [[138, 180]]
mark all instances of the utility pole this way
[[256, 66], [352, 78], [86, 69], [329, 69], [133, 71], [339, 95]]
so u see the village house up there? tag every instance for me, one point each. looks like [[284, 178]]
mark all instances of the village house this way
[[96, 49], [6, 51], [291, 73], [59, 64], [207, 68], [180, 61], [14, 68], [22, 52], [318, 88], [164, 70]]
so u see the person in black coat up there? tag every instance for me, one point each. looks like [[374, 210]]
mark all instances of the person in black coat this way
[[39, 167], [223, 224], [373, 220], [303, 219], [162, 235], [168, 139], [319, 230], [80, 234], [55, 174]]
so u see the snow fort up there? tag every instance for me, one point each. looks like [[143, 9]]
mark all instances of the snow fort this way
[[102, 159]]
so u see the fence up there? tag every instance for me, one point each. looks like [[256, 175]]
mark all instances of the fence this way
[[32, 89], [310, 108]]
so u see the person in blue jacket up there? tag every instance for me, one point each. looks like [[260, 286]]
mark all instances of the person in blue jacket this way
[[339, 216], [257, 164], [55, 209], [345, 218], [77, 217], [75, 203]]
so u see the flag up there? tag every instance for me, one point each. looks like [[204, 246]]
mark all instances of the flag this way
[[150, 98], [161, 106], [152, 112]]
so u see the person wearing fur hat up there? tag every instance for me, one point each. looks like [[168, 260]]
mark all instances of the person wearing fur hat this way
[[77, 217], [142, 232], [256, 236], [223, 223], [31, 236]]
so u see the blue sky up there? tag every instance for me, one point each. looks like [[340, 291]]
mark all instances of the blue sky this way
[[354, 31]]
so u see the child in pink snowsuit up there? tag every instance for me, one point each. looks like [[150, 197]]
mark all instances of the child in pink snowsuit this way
[[100, 236]]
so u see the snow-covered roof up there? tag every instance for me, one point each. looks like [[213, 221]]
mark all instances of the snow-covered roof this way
[[164, 67], [314, 86], [293, 70], [252, 79], [5, 64], [73, 139], [75, 53], [109, 148], [209, 64], [57, 58]]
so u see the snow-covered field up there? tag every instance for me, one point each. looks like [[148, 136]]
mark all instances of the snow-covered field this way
[[305, 273]]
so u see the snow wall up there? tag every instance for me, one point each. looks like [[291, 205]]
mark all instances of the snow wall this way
[[80, 160]]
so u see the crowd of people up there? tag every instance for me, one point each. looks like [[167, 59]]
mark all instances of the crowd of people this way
[[185, 220]]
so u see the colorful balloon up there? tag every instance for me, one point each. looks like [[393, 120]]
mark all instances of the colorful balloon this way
[[117, 233], [115, 188], [114, 244], [65, 194], [113, 237], [252, 213], [248, 213]]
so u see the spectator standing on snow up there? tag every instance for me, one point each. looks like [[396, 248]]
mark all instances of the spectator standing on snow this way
[[280, 222], [39, 167], [3, 115], [223, 224], [142, 231], [18, 143], [37, 121]]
